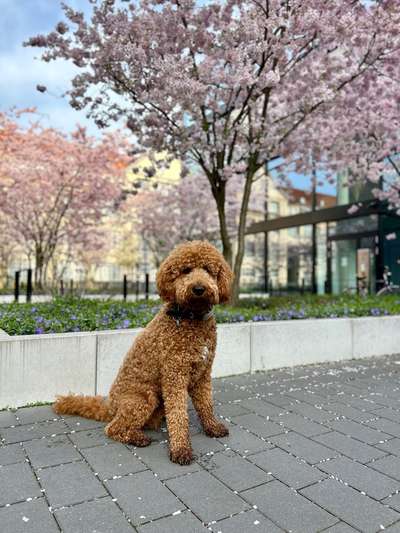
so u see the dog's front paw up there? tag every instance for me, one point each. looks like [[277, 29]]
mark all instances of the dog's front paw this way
[[183, 456], [217, 430]]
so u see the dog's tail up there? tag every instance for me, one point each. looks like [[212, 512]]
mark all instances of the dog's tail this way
[[93, 407]]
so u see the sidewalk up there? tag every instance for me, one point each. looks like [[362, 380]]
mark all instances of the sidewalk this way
[[311, 449]]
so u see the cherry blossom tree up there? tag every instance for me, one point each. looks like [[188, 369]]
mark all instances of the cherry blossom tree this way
[[55, 189], [170, 214], [364, 139], [226, 84]]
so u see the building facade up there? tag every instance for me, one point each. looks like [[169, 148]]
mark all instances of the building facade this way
[[331, 249]]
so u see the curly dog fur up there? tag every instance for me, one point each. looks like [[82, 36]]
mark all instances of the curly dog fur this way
[[170, 359]]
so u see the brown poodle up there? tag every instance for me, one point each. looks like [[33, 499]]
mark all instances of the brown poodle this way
[[171, 358]]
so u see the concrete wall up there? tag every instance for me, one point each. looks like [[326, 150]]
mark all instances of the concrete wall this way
[[37, 367]]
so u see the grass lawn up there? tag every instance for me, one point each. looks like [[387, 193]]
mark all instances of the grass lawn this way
[[66, 314]]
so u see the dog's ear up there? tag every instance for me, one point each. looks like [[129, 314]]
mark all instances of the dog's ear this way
[[164, 280], [224, 281]]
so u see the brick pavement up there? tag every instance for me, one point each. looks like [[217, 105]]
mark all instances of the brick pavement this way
[[314, 448]]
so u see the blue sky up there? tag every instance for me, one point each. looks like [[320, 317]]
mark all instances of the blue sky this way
[[21, 70]]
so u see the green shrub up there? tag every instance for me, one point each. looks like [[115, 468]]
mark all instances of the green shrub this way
[[74, 314]]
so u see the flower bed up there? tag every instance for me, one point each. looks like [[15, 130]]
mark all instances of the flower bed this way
[[76, 315]]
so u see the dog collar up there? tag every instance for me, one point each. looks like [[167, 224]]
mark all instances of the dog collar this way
[[178, 313]]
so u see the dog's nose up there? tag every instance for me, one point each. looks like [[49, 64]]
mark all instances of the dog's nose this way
[[198, 290]]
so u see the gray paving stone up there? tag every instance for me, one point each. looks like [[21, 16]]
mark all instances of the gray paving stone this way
[[17, 483], [377, 400], [30, 415], [100, 516], [352, 507], [287, 468], [280, 400], [395, 528], [184, 522], [78, 423], [389, 465], [207, 497], [33, 431], [392, 428], [363, 404], [336, 409], [28, 517], [69, 484], [393, 501], [92, 437], [194, 422], [156, 457], [390, 414], [304, 448], [247, 522], [298, 423], [361, 477], [258, 425], [340, 527], [243, 441], [202, 444], [13, 453], [307, 396], [314, 413], [391, 446], [112, 460], [7, 419], [51, 451], [230, 409], [231, 395], [350, 447], [237, 473], [288, 509], [143, 497], [261, 407], [358, 431]]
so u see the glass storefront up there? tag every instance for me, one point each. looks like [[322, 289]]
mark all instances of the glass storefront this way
[[350, 256]]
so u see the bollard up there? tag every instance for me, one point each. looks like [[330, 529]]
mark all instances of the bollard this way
[[125, 287], [62, 287], [29, 285], [147, 286], [71, 287], [16, 286], [137, 290]]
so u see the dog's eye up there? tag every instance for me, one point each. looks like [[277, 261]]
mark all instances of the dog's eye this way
[[208, 270], [186, 270]]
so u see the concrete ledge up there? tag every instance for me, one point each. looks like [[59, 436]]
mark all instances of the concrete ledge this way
[[376, 336], [233, 350], [111, 349], [38, 367], [300, 342]]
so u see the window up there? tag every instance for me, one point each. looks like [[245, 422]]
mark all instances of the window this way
[[250, 247], [273, 209]]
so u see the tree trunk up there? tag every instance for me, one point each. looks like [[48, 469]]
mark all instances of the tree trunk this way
[[219, 196], [241, 234], [39, 268]]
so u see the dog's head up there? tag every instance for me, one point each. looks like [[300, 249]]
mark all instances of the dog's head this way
[[195, 275]]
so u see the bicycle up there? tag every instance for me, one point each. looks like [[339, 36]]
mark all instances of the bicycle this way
[[388, 286]]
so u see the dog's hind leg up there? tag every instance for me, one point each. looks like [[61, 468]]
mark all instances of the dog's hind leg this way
[[132, 414]]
